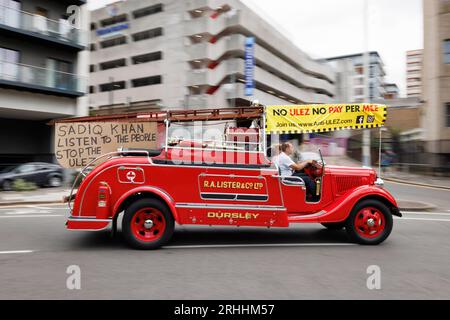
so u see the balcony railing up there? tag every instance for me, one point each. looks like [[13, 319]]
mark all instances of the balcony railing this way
[[42, 78], [60, 30]]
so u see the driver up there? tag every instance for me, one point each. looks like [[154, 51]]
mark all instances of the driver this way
[[289, 168]]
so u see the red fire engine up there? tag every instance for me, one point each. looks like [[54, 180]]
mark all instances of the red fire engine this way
[[196, 183]]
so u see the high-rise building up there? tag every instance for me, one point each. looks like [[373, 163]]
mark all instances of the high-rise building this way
[[152, 54], [42, 74], [436, 82], [350, 74], [391, 91], [414, 73]]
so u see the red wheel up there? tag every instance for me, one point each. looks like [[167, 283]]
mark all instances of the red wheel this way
[[370, 222], [147, 224]]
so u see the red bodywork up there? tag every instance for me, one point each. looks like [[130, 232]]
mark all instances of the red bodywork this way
[[210, 187]]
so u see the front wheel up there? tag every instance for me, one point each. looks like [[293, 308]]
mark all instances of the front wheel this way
[[369, 223], [54, 182], [147, 224]]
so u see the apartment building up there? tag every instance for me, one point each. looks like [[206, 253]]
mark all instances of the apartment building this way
[[436, 82], [153, 54], [391, 91], [42, 74], [350, 74], [414, 73]]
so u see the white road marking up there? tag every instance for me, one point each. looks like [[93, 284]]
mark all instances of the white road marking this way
[[46, 207], [423, 219], [216, 246], [426, 213], [16, 252], [33, 216], [24, 206], [28, 211]]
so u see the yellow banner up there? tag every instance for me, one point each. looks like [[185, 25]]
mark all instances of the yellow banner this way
[[323, 117]]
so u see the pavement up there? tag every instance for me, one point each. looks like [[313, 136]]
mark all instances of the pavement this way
[[394, 174], [40, 196], [417, 179]]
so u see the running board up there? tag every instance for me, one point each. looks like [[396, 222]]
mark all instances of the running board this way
[[304, 218]]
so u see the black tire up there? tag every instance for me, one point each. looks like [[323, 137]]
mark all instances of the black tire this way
[[334, 225], [7, 185], [131, 238], [54, 181], [382, 209]]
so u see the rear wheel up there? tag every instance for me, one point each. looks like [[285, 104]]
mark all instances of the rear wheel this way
[[147, 224], [370, 222], [334, 225], [54, 181]]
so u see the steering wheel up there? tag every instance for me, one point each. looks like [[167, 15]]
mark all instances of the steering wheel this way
[[314, 170]]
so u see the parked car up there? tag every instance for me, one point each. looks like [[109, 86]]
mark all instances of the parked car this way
[[40, 173]]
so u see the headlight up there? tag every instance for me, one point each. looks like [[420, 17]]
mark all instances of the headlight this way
[[379, 182]]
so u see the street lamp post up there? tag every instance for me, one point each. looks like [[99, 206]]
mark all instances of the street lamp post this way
[[366, 156]]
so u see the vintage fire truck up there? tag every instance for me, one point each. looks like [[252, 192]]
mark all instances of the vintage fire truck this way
[[191, 182]]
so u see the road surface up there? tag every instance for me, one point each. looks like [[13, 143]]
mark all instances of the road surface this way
[[302, 262]]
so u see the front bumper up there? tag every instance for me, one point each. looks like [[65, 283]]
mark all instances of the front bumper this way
[[396, 212]]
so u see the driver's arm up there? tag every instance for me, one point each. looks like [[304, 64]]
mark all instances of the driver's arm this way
[[299, 166]]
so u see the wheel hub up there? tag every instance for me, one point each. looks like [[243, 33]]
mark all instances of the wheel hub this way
[[148, 224], [370, 222]]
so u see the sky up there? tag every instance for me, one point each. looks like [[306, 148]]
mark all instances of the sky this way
[[328, 28]]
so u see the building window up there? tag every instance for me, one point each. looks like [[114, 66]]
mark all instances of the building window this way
[[114, 20], [359, 70], [63, 78], [143, 58], [147, 11], [148, 34], [92, 68], [359, 91], [118, 85], [359, 81], [91, 89], [147, 81], [93, 26], [113, 42], [113, 64], [9, 59], [92, 47], [448, 114], [10, 13], [447, 51]]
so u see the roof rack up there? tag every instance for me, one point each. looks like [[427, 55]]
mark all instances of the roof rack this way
[[248, 112]]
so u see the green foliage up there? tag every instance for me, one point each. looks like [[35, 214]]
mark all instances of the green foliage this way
[[22, 185]]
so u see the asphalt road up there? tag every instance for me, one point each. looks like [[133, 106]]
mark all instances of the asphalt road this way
[[302, 262]]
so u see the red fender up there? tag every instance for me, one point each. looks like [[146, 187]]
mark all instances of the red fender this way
[[341, 208], [167, 199]]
